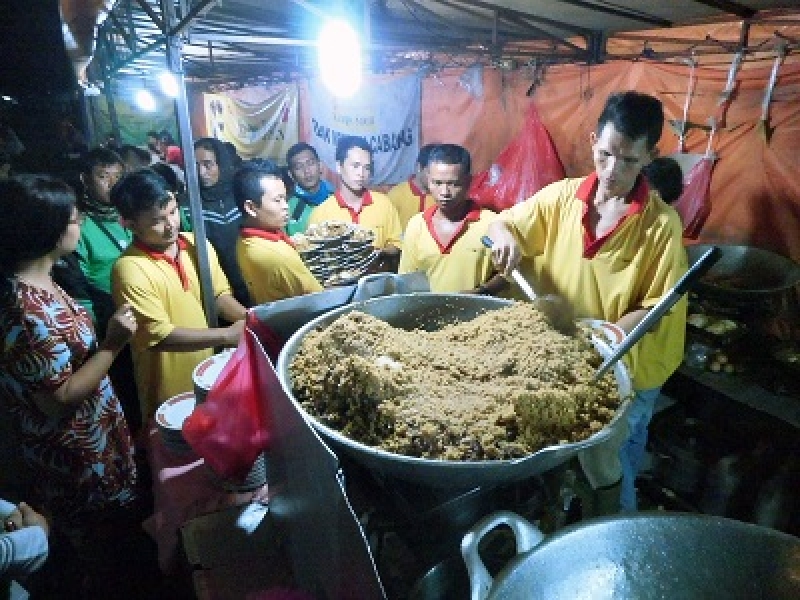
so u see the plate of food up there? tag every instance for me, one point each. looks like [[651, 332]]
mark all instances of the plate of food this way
[[328, 231]]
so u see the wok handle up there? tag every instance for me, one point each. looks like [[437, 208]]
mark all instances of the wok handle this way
[[527, 537]]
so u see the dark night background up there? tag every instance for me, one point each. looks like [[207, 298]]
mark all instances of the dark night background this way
[[35, 71]]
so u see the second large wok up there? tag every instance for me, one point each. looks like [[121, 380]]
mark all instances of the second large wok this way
[[430, 311]]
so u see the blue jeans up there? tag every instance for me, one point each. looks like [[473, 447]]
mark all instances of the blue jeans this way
[[632, 450]]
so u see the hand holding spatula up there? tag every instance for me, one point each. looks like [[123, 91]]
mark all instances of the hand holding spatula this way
[[555, 308]]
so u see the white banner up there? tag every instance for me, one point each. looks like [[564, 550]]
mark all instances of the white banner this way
[[386, 113], [262, 129]]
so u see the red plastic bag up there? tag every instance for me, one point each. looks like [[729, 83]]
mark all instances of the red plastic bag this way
[[694, 204], [230, 429], [525, 166]]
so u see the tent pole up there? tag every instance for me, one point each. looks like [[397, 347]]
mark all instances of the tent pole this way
[[88, 120], [112, 109], [173, 47]]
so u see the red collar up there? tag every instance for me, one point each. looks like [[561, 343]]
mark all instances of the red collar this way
[[638, 199], [176, 262], [272, 236], [417, 192], [473, 215], [366, 200]]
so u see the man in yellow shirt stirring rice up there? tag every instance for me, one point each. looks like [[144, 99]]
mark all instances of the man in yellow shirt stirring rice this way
[[270, 265], [612, 249]]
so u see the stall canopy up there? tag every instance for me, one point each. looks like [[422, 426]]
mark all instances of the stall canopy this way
[[563, 56], [252, 40]]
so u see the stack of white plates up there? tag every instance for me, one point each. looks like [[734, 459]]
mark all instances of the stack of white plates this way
[[255, 478], [170, 417], [206, 373]]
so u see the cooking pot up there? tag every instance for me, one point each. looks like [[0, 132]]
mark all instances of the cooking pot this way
[[643, 556], [745, 275], [430, 311]]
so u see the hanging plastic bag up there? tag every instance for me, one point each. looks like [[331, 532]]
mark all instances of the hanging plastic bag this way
[[525, 166], [230, 429], [694, 204]]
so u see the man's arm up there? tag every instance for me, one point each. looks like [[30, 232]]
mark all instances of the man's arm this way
[[229, 308], [506, 252], [630, 320], [24, 550], [184, 339]]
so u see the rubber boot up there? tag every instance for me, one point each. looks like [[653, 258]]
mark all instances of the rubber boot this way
[[605, 501]]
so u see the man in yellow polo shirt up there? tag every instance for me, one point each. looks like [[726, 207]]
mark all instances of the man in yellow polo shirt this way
[[271, 267], [444, 241], [354, 203], [613, 249], [413, 196], [158, 275]]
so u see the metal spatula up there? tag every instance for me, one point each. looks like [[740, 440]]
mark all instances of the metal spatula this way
[[555, 308]]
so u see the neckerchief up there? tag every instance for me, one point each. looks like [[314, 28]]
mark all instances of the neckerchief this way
[[272, 236], [175, 262]]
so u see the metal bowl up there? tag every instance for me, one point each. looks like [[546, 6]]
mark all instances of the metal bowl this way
[[430, 312], [745, 273]]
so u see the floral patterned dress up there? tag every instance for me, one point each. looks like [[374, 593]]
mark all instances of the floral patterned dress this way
[[81, 461]]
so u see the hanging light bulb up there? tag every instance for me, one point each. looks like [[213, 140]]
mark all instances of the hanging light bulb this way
[[144, 100], [340, 58], [169, 84]]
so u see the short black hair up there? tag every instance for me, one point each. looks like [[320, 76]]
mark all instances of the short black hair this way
[[665, 175], [423, 156], [634, 115], [297, 148], [247, 181], [36, 212], [225, 161], [169, 176], [99, 157], [347, 142], [451, 154], [140, 191]]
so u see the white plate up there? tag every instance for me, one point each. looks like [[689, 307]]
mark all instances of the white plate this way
[[206, 373], [172, 413], [611, 333]]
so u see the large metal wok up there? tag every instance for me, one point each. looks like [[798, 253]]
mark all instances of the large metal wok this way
[[428, 311], [745, 274], [648, 556]]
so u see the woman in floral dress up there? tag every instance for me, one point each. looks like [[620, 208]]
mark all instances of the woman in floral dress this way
[[54, 387]]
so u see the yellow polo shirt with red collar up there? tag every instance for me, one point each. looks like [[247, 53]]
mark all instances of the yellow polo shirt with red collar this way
[[634, 266], [377, 213], [165, 294], [409, 200], [272, 268], [462, 264]]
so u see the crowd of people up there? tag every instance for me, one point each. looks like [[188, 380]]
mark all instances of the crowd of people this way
[[103, 319]]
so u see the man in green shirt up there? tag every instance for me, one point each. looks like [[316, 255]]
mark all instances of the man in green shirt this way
[[310, 189], [103, 238], [102, 241]]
